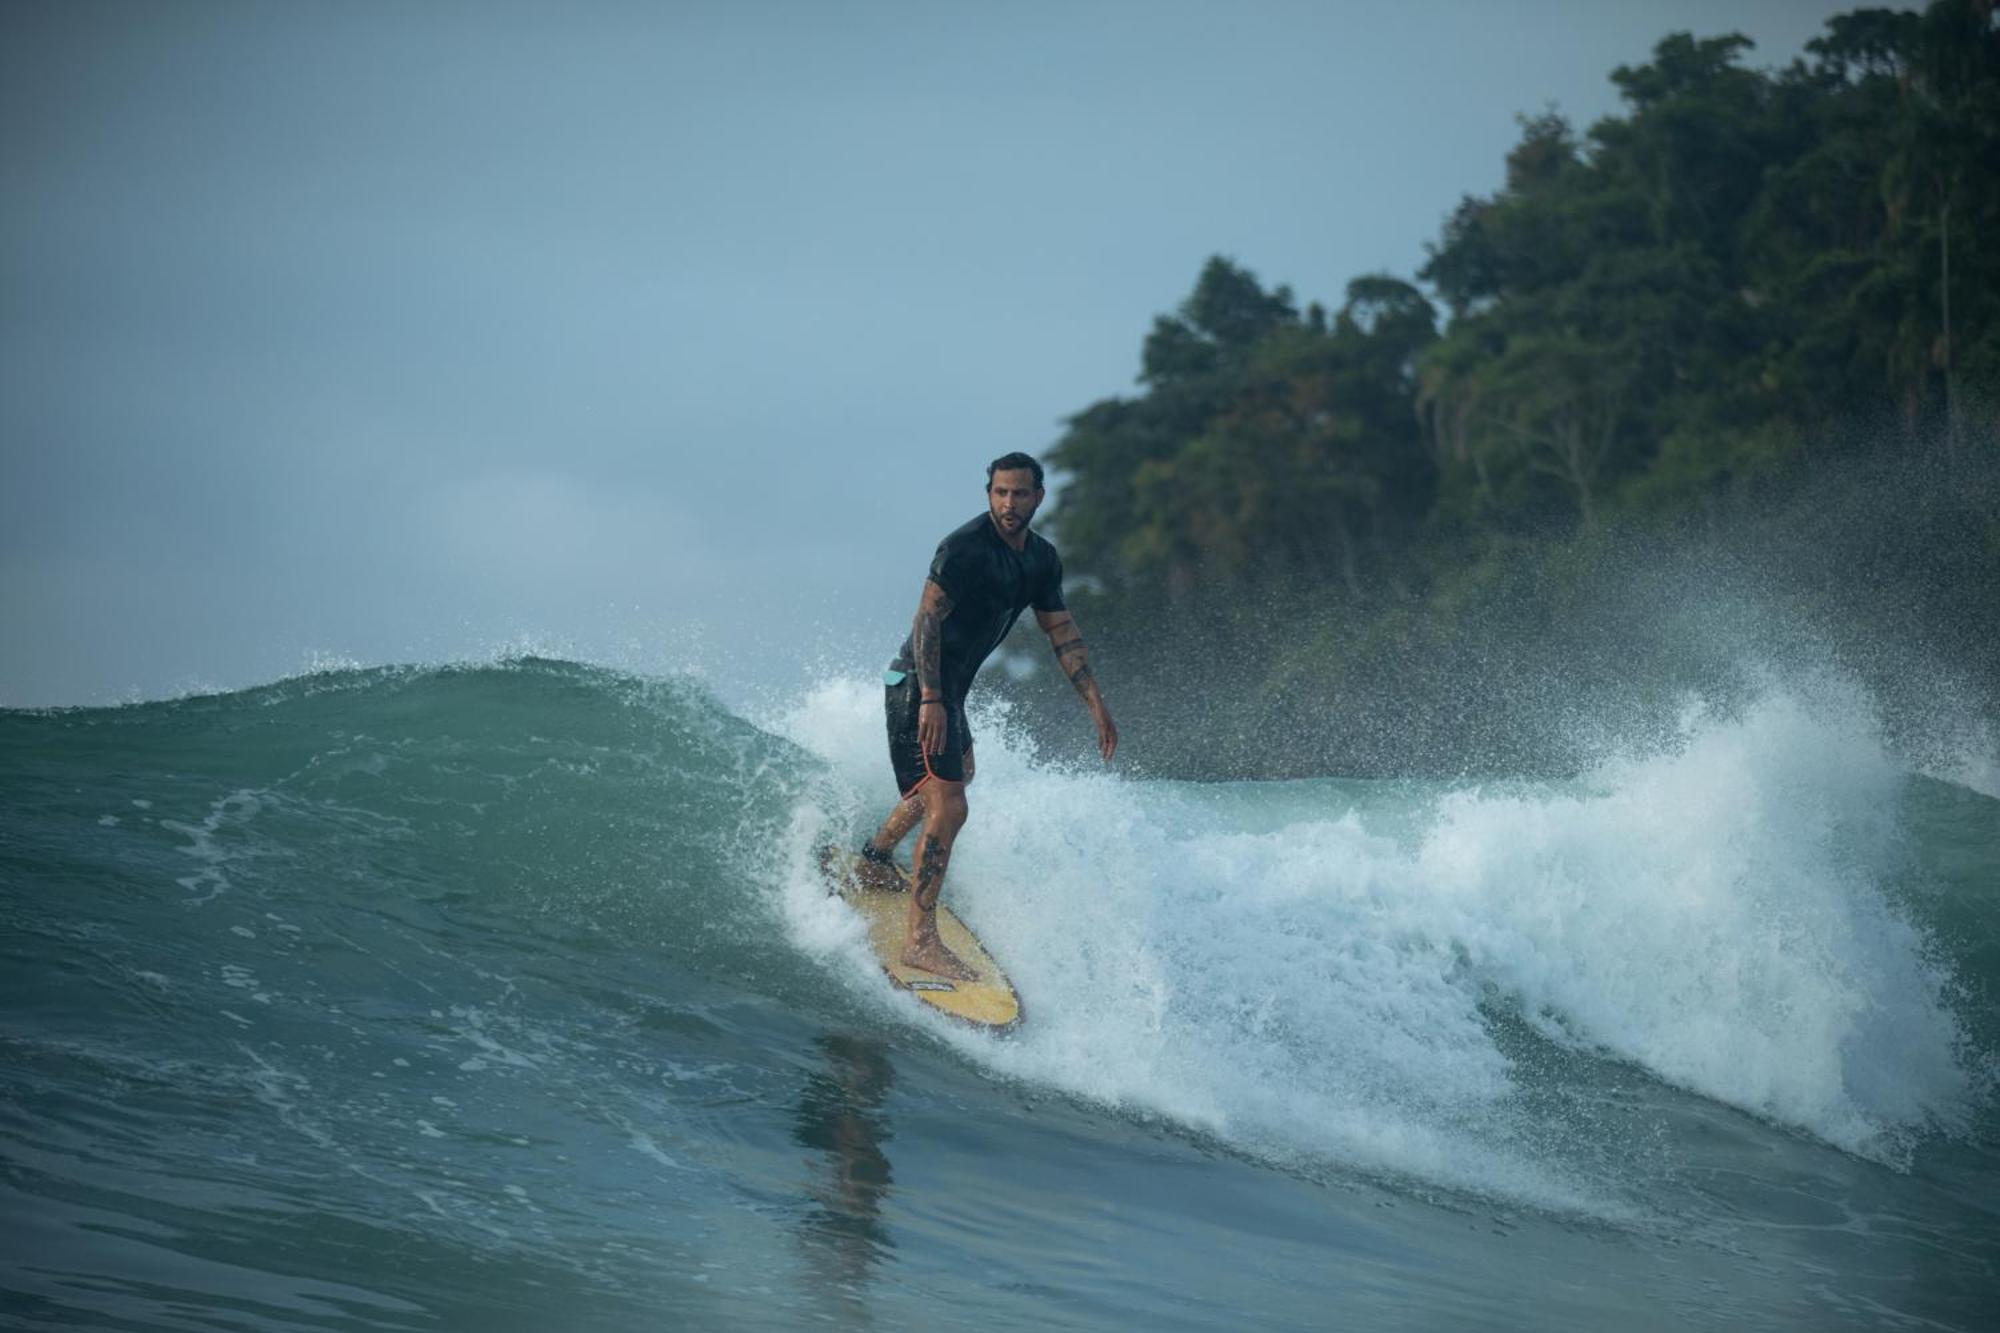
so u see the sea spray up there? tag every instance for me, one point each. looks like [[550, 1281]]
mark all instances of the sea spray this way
[[1274, 989], [1719, 914], [1716, 912]]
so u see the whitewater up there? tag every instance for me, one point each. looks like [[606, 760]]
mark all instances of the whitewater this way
[[506, 996]]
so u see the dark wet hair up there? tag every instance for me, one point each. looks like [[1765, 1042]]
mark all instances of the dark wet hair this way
[[1014, 462]]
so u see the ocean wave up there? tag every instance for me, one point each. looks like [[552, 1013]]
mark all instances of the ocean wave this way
[[1447, 985]]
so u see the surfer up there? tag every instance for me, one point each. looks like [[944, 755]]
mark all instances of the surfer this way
[[982, 577]]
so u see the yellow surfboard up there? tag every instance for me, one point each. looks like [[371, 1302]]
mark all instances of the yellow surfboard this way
[[987, 1001]]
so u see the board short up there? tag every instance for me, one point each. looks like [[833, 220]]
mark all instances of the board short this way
[[900, 700]]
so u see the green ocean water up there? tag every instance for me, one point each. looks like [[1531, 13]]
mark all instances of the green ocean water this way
[[503, 997]]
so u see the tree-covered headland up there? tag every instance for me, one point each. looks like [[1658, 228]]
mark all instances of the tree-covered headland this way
[[1706, 388]]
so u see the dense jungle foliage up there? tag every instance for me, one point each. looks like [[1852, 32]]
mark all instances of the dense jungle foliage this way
[[1708, 385]]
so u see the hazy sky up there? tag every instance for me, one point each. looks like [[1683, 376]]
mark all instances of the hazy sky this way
[[663, 335]]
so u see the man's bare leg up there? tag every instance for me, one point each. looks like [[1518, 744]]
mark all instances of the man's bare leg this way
[[897, 824], [895, 827], [944, 815]]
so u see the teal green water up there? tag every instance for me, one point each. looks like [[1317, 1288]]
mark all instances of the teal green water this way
[[502, 997]]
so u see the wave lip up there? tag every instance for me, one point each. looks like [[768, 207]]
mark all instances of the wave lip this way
[[1721, 916]]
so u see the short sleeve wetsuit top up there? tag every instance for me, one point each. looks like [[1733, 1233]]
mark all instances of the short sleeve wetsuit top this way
[[990, 584]]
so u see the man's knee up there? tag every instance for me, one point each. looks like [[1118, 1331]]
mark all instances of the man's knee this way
[[945, 808]]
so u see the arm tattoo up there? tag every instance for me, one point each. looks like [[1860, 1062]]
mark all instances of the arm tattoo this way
[[928, 651], [1071, 656], [930, 875], [927, 639]]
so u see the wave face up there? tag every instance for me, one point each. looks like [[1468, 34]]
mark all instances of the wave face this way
[[506, 995]]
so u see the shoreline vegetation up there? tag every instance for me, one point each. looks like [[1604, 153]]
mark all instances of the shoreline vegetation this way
[[1706, 395]]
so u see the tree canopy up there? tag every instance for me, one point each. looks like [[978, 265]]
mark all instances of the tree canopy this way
[[1672, 315]]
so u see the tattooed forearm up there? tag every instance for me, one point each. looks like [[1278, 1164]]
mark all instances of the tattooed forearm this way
[[927, 639], [930, 873], [927, 645], [1067, 641]]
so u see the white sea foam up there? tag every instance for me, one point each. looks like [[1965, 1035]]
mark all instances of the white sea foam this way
[[206, 845], [1719, 915], [1716, 913]]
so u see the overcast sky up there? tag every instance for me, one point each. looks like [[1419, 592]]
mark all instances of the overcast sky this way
[[664, 335]]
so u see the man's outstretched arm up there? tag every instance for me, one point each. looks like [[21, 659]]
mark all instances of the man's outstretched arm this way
[[1074, 660]]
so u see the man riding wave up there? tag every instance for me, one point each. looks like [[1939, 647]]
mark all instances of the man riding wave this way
[[985, 573]]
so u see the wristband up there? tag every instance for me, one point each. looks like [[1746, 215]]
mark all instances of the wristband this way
[[930, 701]]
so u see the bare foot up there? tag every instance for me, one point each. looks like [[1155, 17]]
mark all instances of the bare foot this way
[[932, 956], [881, 876]]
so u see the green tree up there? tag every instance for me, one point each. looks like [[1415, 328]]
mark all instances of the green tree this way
[[1672, 317]]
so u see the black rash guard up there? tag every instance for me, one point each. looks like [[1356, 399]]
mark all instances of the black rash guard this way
[[989, 584]]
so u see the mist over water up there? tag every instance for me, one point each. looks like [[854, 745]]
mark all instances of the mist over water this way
[[1547, 655]]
